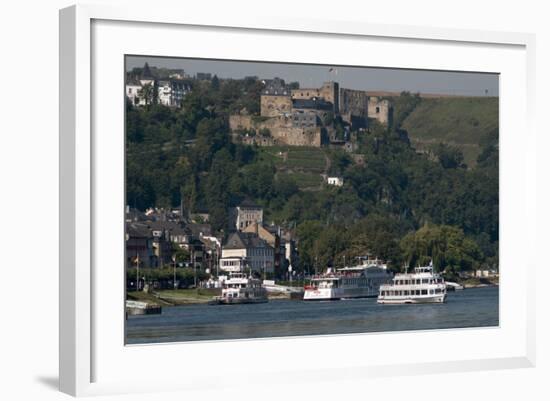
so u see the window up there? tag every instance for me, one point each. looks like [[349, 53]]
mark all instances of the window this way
[[424, 292], [378, 109]]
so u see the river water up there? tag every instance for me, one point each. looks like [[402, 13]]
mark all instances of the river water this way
[[468, 308]]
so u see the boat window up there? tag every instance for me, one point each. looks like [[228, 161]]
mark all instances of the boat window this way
[[424, 281], [424, 292]]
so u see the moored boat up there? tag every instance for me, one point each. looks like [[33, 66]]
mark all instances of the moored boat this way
[[361, 281], [141, 308], [422, 286], [241, 289]]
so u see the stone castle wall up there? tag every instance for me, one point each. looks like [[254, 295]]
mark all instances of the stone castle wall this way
[[297, 136], [379, 109], [354, 101], [353, 107], [240, 122], [281, 129], [272, 105], [329, 92]]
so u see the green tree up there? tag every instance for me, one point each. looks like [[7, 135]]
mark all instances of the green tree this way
[[307, 233], [215, 83], [449, 156], [147, 93], [446, 246]]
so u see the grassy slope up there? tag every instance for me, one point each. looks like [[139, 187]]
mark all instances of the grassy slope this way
[[458, 121]]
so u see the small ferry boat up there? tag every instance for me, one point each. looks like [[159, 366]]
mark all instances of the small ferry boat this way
[[141, 308], [422, 286], [241, 289], [453, 286], [361, 281]]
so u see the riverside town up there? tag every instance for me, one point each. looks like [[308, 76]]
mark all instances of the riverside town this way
[[272, 199]]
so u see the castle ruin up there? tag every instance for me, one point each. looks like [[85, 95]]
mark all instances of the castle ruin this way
[[303, 116]]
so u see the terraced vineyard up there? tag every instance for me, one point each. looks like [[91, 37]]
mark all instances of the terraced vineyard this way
[[304, 164]]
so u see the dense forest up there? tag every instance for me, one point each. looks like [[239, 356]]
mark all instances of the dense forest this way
[[402, 205]]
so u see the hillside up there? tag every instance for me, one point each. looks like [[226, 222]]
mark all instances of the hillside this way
[[463, 122], [302, 164], [391, 201]]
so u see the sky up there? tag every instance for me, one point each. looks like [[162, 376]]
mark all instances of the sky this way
[[313, 75]]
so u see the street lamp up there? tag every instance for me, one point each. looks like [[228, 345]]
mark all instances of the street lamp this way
[[174, 260], [137, 272]]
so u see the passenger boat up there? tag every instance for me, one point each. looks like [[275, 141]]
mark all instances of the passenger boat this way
[[241, 289], [359, 281], [421, 287]]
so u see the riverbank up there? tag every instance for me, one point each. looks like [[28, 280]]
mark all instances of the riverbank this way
[[478, 282], [186, 296], [175, 297]]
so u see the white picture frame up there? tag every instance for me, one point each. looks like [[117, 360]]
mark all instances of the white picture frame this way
[[93, 358]]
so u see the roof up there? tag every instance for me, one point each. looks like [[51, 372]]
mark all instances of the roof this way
[[275, 87], [171, 226], [137, 230], [240, 240], [198, 229], [248, 203]]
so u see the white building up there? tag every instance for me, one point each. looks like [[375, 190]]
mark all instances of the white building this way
[[147, 81], [132, 92], [233, 264], [257, 254], [246, 214], [165, 93], [171, 93], [336, 181]]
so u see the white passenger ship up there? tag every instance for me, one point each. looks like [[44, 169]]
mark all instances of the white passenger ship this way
[[422, 286], [359, 281], [241, 289]]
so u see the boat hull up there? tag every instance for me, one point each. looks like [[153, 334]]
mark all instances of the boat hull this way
[[326, 294], [431, 299], [238, 301]]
